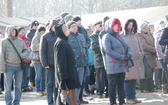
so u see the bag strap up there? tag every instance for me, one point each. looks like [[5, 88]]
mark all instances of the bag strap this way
[[121, 43], [15, 49]]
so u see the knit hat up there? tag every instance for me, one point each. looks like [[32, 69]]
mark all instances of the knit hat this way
[[76, 18], [63, 14], [20, 28], [105, 19], [53, 22], [34, 23], [143, 25], [98, 22], [70, 23], [68, 17]]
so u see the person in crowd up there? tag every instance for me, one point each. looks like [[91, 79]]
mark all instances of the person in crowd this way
[[1, 74], [117, 54], [33, 27], [101, 34], [68, 18], [137, 71], [78, 44], [98, 60], [147, 42], [26, 73], [159, 26], [39, 70], [47, 60], [66, 74], [10, 64], [63, 15], [83, 31]]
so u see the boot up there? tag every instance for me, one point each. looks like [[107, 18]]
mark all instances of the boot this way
[[31, 85], [72, 94]]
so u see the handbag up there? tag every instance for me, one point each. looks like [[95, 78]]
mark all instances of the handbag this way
[[148, 69], [23, 63], [33, 55]]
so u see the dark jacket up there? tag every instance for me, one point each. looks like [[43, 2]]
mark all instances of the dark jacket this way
[[31, 34], [164, 42], [83, 31], [78, 45], [66, 72], [46, 48], [98, 60]]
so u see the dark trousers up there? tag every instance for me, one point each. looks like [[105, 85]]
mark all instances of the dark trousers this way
[[147, 84], [1, 81], [32, 75], [100, 80], [164, 72], [116, 81], [92, 75]]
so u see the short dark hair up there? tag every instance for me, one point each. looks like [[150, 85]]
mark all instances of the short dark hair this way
[[135, 26]]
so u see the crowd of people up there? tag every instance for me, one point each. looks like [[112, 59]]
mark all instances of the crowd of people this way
[[65, 61]]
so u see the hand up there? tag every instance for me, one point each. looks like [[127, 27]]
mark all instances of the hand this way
[[126, 58], [47, 67]]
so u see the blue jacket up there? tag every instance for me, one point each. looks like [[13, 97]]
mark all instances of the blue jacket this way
[[115, 51], [78, 44], [90, 57]]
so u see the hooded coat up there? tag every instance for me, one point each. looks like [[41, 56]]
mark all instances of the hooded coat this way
[[115, 52], [8, 55], [66, 72]]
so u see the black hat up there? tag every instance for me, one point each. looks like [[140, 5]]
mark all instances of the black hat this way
[[34, 23], [63, 14], [105, 19], [20, 28], [76, 18], [41, 28], [98, 22], [53, 22], [70, 23]]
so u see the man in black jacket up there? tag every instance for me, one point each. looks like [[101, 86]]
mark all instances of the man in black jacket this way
[[47, 59], [98, 60], [33, 27]]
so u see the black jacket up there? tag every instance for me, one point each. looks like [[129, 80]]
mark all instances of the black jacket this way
[[46, 48], [31, 34], [164, 43], [98, 60], [66, 72]]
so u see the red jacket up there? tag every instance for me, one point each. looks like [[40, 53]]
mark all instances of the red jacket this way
[[27, 42]]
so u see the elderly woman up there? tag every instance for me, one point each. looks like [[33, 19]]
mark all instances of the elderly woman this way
[[117, 54], [137, 71], [147, 42]]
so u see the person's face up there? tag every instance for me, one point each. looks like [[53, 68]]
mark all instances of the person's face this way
[[130, 26], [73, 28], [13, 33], [22, 32], [35, 27], [42, 32], [79, 23], [145, 29], [99, 27], [53, 28], [115, 28]]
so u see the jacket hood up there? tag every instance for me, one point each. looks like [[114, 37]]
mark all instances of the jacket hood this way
[[9, 29], [59, 32], [110, 24]]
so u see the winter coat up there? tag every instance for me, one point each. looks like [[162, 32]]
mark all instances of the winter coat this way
[[164, 41], [78, 45], [147, 42], [114, 49], [83, 31], [159, 51], [137, 71], [101, 34], [27, 42], [98, 59], [65, 69], [31, 34], [8, 55], [46, 49], [35, 45]]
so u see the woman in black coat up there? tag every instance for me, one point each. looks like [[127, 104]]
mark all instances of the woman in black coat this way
[[65, 73]]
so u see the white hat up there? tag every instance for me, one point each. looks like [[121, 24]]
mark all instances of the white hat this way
[[143, 24]]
